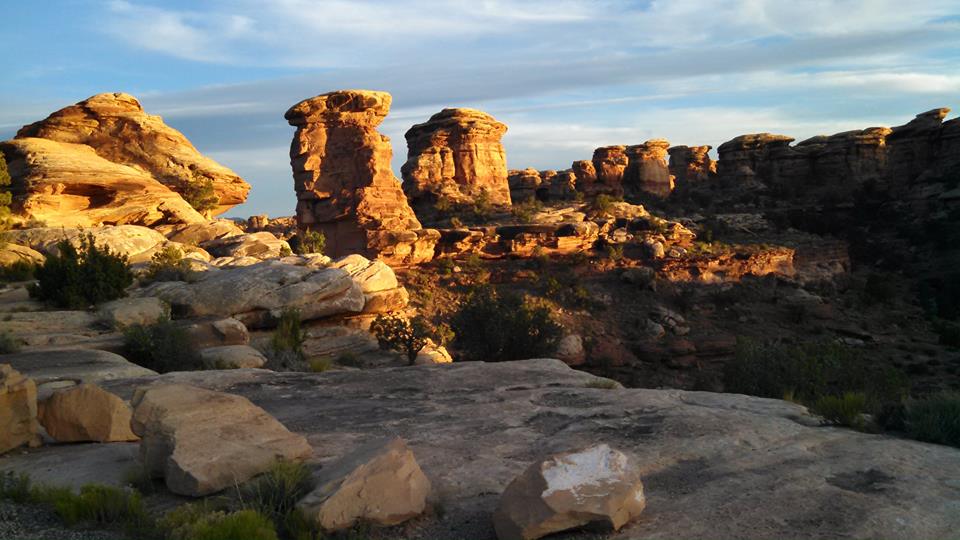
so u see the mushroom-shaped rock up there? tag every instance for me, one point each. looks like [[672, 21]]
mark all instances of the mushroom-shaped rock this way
[[201, 441], [86, 413], [379, 483], [457, 155], [596, 484], [343, 180], [18, 410]]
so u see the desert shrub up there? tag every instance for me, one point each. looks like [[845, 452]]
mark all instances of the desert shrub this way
[[275, 493], [78, 278], [810, 371], [319, 365], [162, 346], [17, 271], [494, 327], [407, 336], [201, 522], [5, 197], [167, 265], [935, 419], [286, 343], [103, 505], [482, 207], [614, 252], [8, 343], [846, 410], [525, 211], [15, 487], [199, 193], [602, 205], [138, 477], [309, 242]]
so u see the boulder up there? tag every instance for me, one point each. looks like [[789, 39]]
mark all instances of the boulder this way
[[207, 332], [570, 350], [524, 184], [12, 254], [261, 245], [57, 368], [202, 442], [260, 292], [18, 410], [567, 490], [610, 162], [136, 242], [456, 155], [344, 183], [381, 291], [116, 127], [69, 185], [379, 483], [86, 413], [232, 357], [691, 165], [129, 311], [432, 354], [647, 171], [643, 277], [197, 233]]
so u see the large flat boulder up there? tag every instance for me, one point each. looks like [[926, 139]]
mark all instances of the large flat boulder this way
[[136, 242], [257, 293], [202, 442], [713, 465], [64, 367], [18, 410], [86, 413]]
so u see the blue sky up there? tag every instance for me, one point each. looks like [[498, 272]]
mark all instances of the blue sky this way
[[565, 75]]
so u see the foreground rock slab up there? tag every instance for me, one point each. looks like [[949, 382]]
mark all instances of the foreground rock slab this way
[[18, 410], [380, 483], [713, 465], [66, 367], [86, 413], [597, 484], [202, 442]]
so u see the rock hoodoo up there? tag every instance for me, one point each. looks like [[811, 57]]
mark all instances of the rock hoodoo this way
[[344, 185], [691, 164], [457, 155], [116, 127], [647, 170]]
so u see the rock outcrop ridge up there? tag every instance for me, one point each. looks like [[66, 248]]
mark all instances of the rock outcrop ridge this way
[[345, 187], [456, 155]]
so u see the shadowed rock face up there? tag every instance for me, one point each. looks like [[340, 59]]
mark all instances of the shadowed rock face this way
[[456, 154], [691, 164], [119, 131], [345, 187], [647, 170]]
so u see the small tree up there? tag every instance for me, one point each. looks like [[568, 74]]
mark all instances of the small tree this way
[[408, 336], [5, 196], [309, 242], [77, 279], [286, 343], [200, 194], [163, 346], [167, 265]]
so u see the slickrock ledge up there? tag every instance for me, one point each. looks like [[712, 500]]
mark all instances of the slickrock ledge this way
[[712, 465], [345, 187]]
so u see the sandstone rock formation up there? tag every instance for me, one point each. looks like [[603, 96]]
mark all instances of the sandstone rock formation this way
[[456, 155], [742, 158], [568, 490], [345, 187], [86, 413], [18, 409], [70, 185], [60, 368], [609, 162], [586, 175], [130, 311], [117, 128], [647, 171], [261, 245], [202, 441], [232, 357], [380, 483], [523, 184], [137, 243], [691, 164]]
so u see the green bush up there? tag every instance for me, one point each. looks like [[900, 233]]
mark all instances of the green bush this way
[[167, 265], [18, 271], [286, 343], [525, 210], [408, 336], [15, 487], [162, 346], [810, 371], [309, 242], [199, 192], [846, 410], [76, 279], [103, 505], [275, 493], [602, 205], [494, 327], [9, 344], [935, 419], [201, 522]]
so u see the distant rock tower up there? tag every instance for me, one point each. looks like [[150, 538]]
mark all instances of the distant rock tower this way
[[345, 187], [457, 155]]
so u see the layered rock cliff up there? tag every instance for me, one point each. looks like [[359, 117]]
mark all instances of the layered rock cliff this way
[[345, 187], [116, 127], [456, 155]]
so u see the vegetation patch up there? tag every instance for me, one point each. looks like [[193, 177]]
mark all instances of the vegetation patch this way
[[162, 346], [286, 344], [78, 278]]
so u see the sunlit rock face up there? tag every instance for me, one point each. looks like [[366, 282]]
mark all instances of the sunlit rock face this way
[[345, 187], [456, 155], [609, 162], [647, 171], [691, 164], [117, 128]]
